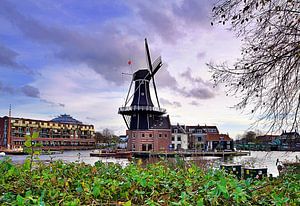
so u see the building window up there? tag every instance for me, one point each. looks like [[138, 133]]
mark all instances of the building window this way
[[178, 138], [175, 130], [159, 135], [27, 130], [143, 135], [133, 135], [199, 139], [179, 146], [173, 138], [150, 135], [166, 135]]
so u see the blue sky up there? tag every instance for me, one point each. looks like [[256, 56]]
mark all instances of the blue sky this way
[[68, 57]]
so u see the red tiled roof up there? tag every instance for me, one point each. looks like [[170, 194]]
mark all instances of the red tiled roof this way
[[217, 137]]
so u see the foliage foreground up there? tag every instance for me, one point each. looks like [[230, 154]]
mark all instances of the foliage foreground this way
[[60, 183]]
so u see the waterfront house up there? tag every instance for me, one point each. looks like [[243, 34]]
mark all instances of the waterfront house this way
[[179, 137], [196, 135], [214, 141]]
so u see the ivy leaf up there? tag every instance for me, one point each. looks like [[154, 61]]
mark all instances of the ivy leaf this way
[[128, 203]]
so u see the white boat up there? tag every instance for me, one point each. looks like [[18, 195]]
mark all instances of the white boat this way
[[2, 153]]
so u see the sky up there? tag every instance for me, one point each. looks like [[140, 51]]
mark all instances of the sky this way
[[69, 57]]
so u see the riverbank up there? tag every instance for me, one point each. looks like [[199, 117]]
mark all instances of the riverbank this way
[[163, 183]]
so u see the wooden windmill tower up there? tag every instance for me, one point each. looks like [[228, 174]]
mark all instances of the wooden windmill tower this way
[[148, 126]]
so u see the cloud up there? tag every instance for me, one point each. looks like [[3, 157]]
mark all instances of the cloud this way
[[201, 55], [30, 91], [194, 12], [53, 104], [160, 21], [107, 52], [6, 89], [8, 59], [166, 102], [199, 89], [164, 79], [194, 103], [198, 93]]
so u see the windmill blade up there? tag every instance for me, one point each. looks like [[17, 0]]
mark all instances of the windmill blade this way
[[156, 65], [126, 101], [148, 57], [157, 62], [155, 92]]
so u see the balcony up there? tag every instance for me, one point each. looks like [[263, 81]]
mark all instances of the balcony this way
[[141, 108]]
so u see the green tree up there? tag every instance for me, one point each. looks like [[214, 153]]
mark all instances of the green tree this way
[[267, 76]]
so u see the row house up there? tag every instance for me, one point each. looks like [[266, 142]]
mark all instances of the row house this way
[[205, 138], [63, 132], [179, 139]]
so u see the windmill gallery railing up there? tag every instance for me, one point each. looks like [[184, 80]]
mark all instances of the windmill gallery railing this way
[[141, 108]]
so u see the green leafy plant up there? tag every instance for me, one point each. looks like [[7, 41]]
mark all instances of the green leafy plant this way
[[32, 148], [161, 183]]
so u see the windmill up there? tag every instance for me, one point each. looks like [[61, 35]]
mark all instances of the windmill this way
[[141, 114]]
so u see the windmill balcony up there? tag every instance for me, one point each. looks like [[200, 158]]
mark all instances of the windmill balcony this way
[[141, 108]]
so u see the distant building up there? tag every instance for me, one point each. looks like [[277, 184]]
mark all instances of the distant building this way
[[196, 135], [289, 141], [290, 137], [266, 138], [215, 141], [179, 137], [61, 133]]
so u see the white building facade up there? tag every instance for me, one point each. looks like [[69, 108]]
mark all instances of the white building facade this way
[[179, 139]]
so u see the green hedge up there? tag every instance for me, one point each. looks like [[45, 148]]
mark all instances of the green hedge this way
[[162, 183]]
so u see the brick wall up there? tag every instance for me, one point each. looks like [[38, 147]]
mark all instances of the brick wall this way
[[149, 140]]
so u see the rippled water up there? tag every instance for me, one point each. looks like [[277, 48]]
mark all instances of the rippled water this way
[[257, 158]]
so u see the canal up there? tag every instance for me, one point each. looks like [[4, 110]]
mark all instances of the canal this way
[[256, 159]]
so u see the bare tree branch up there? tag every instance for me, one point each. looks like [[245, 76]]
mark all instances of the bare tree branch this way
[[267, 75]]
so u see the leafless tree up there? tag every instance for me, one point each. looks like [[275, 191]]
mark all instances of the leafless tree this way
[[267, 74]]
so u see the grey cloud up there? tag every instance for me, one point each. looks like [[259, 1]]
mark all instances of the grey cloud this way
[[157, 19], [201, 55], [167, 102], [53, 104], [6, 89], [195, 80], [107, 53], [201, 89], [8, 57], [194, 11], [164, 79], [30, 91], [195, 103], [199, 93]]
